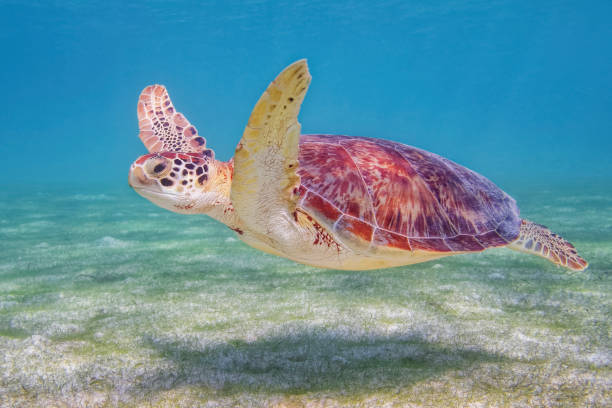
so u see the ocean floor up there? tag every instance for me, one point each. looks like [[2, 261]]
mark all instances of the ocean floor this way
[[107, 300]]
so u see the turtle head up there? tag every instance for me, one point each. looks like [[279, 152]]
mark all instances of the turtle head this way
[[179, 173], [185, 183]]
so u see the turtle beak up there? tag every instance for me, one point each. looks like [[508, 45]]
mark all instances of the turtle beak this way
[[138, 180], [147, 187]]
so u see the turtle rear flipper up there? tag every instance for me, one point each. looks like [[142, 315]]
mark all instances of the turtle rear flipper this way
[[538, 240], [265, 182]]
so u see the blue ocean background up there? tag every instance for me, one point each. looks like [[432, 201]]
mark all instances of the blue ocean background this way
[[108, 300], [514, 90]]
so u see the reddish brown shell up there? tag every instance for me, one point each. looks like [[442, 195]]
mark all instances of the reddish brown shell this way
[[392, 195]]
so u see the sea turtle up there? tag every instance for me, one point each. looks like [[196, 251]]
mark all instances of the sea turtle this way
[[329, 201]]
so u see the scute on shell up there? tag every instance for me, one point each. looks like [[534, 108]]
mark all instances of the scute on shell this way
[[380, 193]]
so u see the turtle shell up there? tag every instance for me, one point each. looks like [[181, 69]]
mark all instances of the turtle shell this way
[[376, 193]]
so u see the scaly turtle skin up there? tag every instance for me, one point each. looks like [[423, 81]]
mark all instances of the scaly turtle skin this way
[[327, 200]]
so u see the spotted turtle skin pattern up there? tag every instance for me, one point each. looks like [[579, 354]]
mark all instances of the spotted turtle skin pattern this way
[[387, 194]]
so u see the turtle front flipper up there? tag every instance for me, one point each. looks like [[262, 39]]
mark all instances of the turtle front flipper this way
[[265, 182], [162, 128]]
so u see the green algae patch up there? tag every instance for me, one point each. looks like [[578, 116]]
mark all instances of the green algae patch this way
[[152, 309]]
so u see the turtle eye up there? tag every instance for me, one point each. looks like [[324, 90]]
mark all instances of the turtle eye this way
[[158, 167]]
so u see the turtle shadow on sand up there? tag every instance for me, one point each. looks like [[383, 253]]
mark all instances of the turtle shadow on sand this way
[[310, 361]]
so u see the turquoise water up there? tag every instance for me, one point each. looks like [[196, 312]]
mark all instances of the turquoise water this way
[[107, 300], [512, 89]]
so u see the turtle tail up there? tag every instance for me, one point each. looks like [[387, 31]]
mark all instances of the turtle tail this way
[[538, 240]]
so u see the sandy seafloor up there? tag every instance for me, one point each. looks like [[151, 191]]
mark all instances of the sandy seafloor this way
[[106, 300]]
